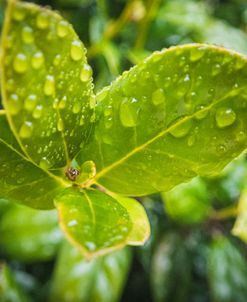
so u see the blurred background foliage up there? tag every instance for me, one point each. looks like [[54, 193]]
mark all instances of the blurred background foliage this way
[[197, 251]]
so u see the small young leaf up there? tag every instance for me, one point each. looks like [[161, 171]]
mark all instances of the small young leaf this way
[[100, 280], [20, 180], [179, 114], [35, 235], [98, 223], [46, 84]]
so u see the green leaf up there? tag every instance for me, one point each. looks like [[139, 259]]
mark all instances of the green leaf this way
[[20, 180], [9, 289], [227, 271], [98, 223], [189, 202], [46, 84], [170, 270], [35, 235], [240, 225], [179, 114], [100, 280]]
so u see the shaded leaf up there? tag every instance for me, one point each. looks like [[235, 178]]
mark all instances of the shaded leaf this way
[[9, 290], [170, 271], [98, 223], [240, 226], [227, 271], [20, 180], [100, 280], [35, 235], [46, 84], [177, 115], [189, 202]]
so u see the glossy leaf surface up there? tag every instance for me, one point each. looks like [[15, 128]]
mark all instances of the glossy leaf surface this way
[[98, 223], [20, 180], [46, 84], [35, 235], [179, 114], [9, 289], [100, 280], [227, 271], [188, 203]]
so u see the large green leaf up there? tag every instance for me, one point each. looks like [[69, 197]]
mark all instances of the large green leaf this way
[[101, 279], [227, 271], [98, 223], [21, 180], [35, 235], [179, 114], [46, 84]]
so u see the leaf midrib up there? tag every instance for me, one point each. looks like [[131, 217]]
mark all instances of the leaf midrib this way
[[161, 134]]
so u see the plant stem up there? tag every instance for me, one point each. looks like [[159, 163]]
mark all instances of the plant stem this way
[[151, 9], [226, 213]]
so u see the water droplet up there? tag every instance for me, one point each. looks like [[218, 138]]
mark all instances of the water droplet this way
[[181, 129], [62, 28], [86, 73], [37, 60], [60, 125], [14, 104], [82, 120], [42, 20], [129, 110], [90, 246], [108, 122], [240, 136], [196, 53], [76, 50], [62, 103], [216, 69], [27, 35], [221, 149], [92, 102], [191, 140], [10, 85], [44, 163], [30, 102], [158, 97], [108, 110], [201, 112], [37, 112], [26, 129], [225, 117], [20, 63], [76, 107], [49, 87], [72, 223], [19, 14], [57, 60]]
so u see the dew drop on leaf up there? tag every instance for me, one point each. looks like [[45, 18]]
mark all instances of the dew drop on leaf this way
[[20, 63], [62, 103], [225, 117], [30, 102], [196, 54], [26, 129], [62, 29], [158, 97], [201, 113], [57, 60], [37, 113], [82, 120], [14, 104], [19, 14], [191, 140], [37, 60], [76, 50], [42, 20], [216, 69], [27, 35], [10, 85], [44, 163], [128, 112], [182, 129], [49, 87], [76, 107], [86, 73]]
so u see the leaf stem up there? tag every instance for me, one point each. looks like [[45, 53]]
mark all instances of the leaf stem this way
[[226, 213]]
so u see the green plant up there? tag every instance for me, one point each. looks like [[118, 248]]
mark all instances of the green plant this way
[[179, 114]]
